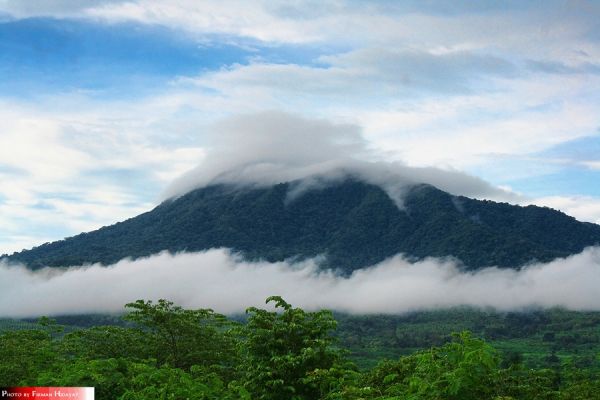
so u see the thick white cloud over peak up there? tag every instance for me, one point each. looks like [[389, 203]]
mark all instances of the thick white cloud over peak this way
[[272, 147]]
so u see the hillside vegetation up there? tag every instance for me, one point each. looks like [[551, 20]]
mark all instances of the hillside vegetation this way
[[166, 352], [353, 223]]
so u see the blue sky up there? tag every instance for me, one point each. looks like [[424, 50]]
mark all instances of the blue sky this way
[[46, 56], [105, 103]]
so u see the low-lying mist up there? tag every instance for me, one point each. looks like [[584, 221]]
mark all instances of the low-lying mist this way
[[220, 280]]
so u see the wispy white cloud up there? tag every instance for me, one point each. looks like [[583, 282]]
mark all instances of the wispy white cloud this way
[[70, 171], [437, 113], [552, 30], [233, 17], [366, 72], [55, 8], [592, 164]]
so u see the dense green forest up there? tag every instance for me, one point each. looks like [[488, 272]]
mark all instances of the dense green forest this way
[[162, 351], [353, 223], [538, 338]]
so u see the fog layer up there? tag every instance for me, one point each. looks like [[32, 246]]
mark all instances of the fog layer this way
[[219, 280]]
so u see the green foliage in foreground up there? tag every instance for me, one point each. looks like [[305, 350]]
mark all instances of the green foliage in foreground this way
[[285, 353]]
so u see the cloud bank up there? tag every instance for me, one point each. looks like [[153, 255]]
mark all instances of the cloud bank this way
[[219, 280], [271, 147]]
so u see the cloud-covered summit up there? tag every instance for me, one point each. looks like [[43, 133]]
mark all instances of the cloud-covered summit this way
[[272, 147]]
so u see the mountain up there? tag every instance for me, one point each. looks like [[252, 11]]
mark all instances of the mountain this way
[[353, 223]]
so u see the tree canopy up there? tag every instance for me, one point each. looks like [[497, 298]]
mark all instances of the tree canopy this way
[[162, 351]]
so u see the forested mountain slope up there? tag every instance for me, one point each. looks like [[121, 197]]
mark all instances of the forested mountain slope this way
[[353, 223]]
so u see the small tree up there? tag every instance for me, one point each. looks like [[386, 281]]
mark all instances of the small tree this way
[[284, 349], [464, 369], [183, 338]]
